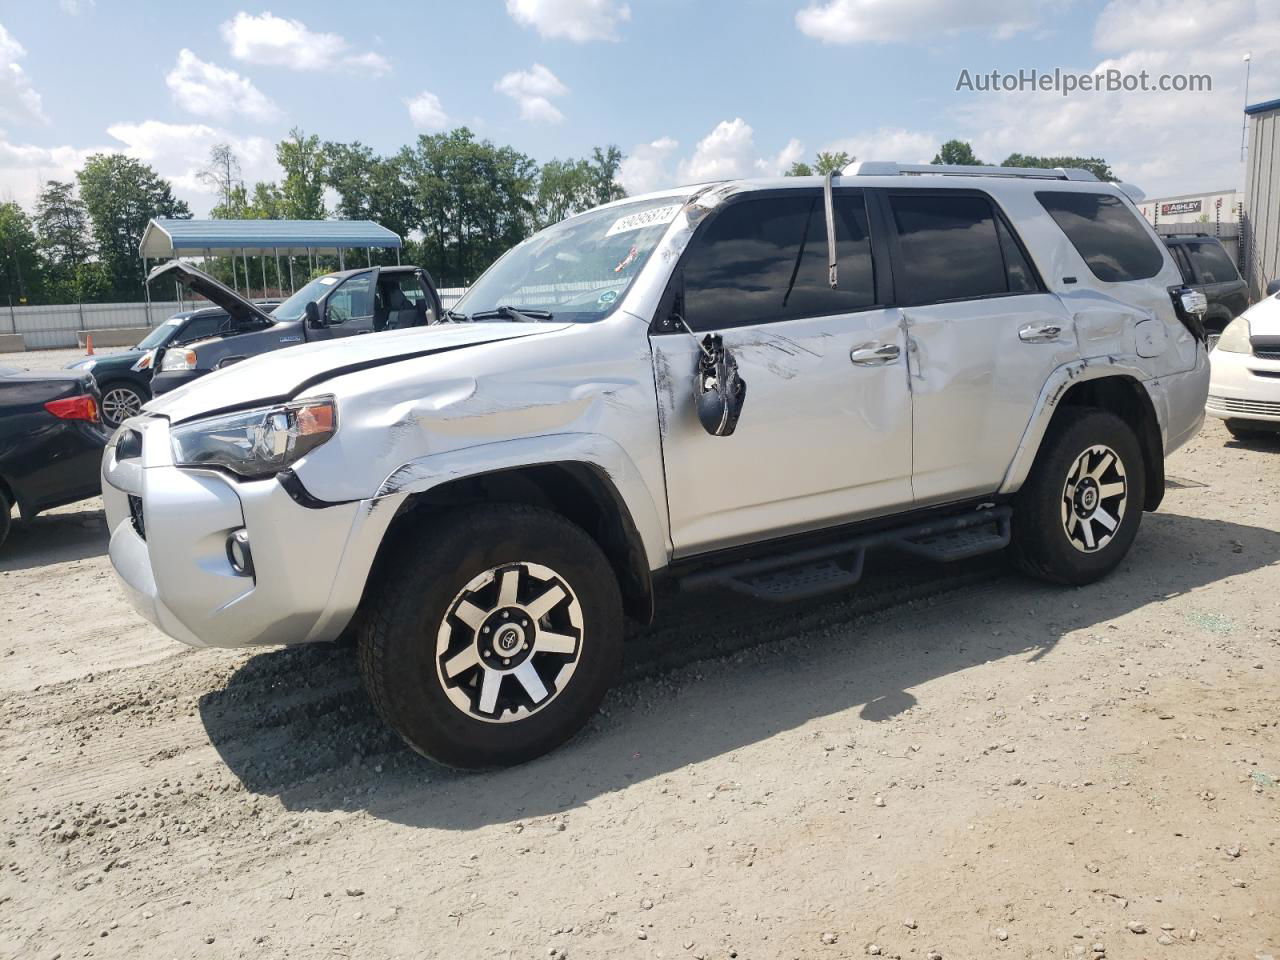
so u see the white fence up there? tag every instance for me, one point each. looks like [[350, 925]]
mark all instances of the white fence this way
[[56, 325]]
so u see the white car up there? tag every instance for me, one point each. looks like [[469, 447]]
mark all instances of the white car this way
[[1244, 383], [746, 384]]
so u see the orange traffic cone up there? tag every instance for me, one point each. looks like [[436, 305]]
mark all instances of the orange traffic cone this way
[[88, 344]]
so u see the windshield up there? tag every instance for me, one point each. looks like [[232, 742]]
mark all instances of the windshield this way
[[161, 333], [579, 268], [295, 307]]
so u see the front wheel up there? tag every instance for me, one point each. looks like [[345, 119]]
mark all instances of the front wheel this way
[[1078, 513], [494, 638]]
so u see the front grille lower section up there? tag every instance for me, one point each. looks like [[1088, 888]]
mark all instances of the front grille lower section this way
[[1266, 354], [136, 517], [1246, 408]]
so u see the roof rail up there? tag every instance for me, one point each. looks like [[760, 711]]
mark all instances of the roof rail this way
[[890, 168]]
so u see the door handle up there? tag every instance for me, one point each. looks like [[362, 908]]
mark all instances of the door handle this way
[[875, 354], [1040, 332]]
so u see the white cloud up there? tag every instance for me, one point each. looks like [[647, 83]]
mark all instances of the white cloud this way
[[1167, 24], [726, 153], [179, 151], [426, 112], [888, 143], [208, 90], [876, 21], [533, 90], [19, 102], [24, 168], [74, 7], [647, 166], [779, 164], [274, 41], [576, 20]]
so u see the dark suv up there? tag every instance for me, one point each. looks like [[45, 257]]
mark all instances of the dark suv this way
[[125, 377], [1207, 267]]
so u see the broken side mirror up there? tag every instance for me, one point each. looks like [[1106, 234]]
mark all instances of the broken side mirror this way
[[719, 391], [312, 312]]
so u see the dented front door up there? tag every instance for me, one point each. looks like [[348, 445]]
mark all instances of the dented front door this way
[[825, 430]]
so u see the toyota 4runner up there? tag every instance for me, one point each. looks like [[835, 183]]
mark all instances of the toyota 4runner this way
[[746, 384]]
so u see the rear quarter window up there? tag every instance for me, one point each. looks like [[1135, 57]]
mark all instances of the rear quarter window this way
[[1106, 233]]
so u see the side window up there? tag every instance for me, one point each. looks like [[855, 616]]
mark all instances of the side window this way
[[1106, 233], [1211, 262], [761, 261], [950, 249], [199, 328], [1021, 278], [351, 301], [1179, 254]]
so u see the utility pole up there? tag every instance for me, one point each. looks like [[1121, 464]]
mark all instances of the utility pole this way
[[1244, 124]]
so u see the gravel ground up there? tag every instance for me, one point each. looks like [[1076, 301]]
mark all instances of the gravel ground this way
[[956, 763], [50, 359]]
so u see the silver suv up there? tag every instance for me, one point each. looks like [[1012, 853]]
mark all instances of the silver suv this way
[[745, 385]]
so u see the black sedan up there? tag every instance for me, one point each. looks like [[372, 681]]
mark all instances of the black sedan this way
[[51, 441], [124, 378]]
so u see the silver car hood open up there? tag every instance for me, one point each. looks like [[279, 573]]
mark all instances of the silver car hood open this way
[[284, 374]]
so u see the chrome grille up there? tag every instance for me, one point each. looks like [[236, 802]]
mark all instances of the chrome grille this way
[[1258, 408]]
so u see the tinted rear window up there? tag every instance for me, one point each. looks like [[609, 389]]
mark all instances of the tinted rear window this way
[[1106, 233], [951, 250], [1211, 262]]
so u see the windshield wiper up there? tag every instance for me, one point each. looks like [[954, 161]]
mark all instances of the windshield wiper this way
[[511, 313], [455, 316]]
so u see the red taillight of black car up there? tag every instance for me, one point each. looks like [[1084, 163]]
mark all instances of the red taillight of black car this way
[[83, 407]]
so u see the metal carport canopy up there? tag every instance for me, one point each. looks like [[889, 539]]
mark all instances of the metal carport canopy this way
[[174, 238]]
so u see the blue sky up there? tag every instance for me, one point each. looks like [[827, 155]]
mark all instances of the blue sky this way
[[688, 90]]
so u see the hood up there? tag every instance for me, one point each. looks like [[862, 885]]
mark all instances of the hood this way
[[284, 374], [216, 292], [1264, 317], [121, 358]]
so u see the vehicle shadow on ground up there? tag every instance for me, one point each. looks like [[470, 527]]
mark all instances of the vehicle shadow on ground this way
[[55, 538], [713, 675]]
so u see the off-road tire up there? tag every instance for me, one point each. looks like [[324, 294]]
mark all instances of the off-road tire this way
[[418, 600], [1041, 546]]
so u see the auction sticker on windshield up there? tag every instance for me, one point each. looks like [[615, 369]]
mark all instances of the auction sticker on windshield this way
[[645, 218]]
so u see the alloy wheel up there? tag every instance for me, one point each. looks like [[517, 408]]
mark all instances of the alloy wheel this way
[[509, 642], [1094, 499], [119, 404]]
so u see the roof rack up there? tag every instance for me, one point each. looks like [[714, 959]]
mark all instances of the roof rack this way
[[890, 168]]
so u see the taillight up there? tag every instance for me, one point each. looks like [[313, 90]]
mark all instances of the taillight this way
[[82, 407]]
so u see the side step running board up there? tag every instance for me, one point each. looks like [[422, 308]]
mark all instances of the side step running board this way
[[834, 566]]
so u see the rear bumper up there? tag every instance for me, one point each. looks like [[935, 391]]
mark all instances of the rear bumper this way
[[1244, 387], [309, 564], [56, 465]]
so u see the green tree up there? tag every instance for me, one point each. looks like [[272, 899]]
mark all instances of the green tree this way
[[564, 188], [302, 159], [62, 225], [121, 194], [370, 187], [824, 163], [603, 169], [957, 153], [267, 203], [20, 275], [1095, 165]]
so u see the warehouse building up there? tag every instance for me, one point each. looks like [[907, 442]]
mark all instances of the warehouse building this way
[[1260, 226]]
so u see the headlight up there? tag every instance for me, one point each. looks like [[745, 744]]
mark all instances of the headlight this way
[[144, 361], [1235, 339], [178, 360], [256, 443]]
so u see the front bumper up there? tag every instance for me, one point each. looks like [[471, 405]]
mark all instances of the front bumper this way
[[310, 563], [165, 380], [1244, 387]]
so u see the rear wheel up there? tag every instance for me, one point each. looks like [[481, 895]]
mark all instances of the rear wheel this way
[[120, 401], [495, 640], [1078, 513]]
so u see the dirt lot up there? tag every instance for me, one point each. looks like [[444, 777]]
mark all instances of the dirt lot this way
[[969, 767]]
